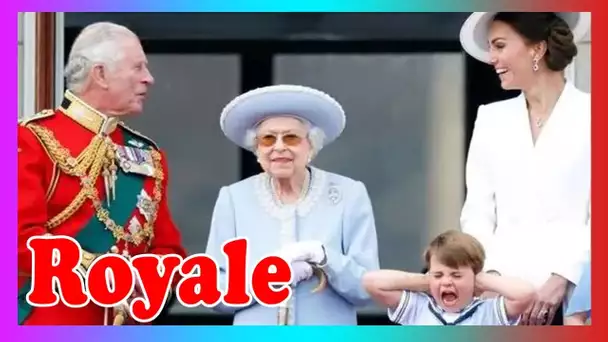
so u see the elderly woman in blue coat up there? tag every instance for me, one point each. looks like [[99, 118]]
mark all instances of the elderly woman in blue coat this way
[[310, 217]]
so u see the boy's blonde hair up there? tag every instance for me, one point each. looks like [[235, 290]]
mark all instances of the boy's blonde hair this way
[[456, 249]]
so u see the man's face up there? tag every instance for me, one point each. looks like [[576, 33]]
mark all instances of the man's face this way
[[128, 80]]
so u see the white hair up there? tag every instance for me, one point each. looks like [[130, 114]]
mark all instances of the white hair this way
[[96, 43], [315, 136]]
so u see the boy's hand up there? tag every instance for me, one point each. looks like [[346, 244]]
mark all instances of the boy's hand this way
[[427, 288], [480, 287]]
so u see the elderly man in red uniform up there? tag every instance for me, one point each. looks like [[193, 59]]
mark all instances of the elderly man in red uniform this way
[[84, 174]]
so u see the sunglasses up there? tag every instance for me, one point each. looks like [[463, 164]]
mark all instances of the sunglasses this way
[[289, 139]]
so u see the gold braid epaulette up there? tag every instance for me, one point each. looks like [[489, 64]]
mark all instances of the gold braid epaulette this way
[[92, 159]]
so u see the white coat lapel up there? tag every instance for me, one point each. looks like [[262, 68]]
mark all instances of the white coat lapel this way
[[560, 131], [560, 148], [556, 127], [522, 125]]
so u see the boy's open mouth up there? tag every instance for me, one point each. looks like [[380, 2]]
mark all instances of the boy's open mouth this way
[[449, 297]]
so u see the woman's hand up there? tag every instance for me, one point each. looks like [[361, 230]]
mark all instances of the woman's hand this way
[[311, 251], [550, 296], [301, 271]]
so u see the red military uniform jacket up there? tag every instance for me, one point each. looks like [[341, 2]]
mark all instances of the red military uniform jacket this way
[[59, 149]]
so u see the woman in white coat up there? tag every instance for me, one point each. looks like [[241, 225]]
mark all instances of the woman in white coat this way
[[528, 170]]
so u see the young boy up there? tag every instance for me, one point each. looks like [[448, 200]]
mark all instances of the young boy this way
[[446, 294]]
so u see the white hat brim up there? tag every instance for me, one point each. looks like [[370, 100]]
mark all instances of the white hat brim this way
[[249, 109], [474, 31]]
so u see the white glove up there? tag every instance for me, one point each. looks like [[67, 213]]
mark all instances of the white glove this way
[[301, 271], [311, 251]]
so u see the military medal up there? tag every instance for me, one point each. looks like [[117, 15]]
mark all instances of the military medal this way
[[135, 160], [134, 226], [145, 205], [135, 143]]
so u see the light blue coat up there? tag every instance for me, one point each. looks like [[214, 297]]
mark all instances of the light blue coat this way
[[336, 211], [580, 301]]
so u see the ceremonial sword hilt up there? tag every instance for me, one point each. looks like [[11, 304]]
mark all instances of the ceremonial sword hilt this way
[[283, 315]]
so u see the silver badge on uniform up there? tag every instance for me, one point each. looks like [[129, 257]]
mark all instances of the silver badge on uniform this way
[[145, 205], [134, 226]]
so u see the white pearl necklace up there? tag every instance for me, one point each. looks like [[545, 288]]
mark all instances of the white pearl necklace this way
[[303, 191]]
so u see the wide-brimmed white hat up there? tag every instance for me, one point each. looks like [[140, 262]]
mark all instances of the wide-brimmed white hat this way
[[474, 31], [249, 109]]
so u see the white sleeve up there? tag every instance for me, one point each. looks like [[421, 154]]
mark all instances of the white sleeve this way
[[409, 306], [478, 216]]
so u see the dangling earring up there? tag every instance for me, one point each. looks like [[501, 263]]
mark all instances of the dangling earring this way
[[535, 65]]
